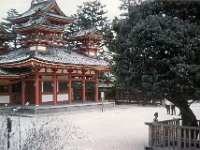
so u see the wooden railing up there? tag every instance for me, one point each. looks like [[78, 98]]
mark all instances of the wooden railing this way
[[171, 135]]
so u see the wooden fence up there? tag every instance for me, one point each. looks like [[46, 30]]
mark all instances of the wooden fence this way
[[171, 135]]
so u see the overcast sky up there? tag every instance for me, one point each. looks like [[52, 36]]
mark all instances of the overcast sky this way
[[69, 7]]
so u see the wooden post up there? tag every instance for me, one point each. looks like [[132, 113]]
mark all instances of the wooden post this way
[[96, 89], [54, 90], [37, 89], [83, 89], [23, 92], [70, 90], [178, 137]]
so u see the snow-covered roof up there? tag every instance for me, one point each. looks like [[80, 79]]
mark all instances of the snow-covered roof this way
[[34, 2], [54, 54], [35, 7]]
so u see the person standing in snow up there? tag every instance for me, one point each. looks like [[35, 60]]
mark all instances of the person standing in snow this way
[[173, 110], [167, 106]]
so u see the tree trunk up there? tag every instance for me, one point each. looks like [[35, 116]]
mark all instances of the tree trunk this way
[[187, 115]]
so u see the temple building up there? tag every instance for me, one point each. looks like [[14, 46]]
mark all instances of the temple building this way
[[44, 70]]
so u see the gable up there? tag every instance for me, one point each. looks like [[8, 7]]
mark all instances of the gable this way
[[55, 9]]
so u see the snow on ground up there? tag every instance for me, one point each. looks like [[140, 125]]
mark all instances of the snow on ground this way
[[119, 128]]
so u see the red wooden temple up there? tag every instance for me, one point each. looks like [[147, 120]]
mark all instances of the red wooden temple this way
[[44, 70]]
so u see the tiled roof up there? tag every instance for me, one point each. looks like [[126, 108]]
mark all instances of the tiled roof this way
[[54, 54]]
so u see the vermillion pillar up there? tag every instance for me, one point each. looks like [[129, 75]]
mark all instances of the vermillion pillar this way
[[37, 92], [23, 92], [54, 90], [83, 89], [96, 89], [70, 90]]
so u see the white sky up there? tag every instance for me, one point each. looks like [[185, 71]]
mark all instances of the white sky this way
[[69, 7]]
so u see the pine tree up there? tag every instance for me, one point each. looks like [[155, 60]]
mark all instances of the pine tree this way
[[91, 14]]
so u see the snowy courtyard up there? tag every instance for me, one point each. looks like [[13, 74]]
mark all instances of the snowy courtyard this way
[[119, 128]]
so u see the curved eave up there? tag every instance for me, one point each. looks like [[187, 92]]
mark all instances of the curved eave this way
[[25, 18], [60, 20], [41, 27], [13, 76], [38, 63], [86, 37]]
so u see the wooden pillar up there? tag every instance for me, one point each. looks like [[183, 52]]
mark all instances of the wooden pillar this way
[[10, 93], [37, 91], [70, 90], [54, 90], [23, 92], [83, 89], [96, 89]]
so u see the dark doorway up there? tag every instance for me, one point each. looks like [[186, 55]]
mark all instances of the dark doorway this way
[[30, 92], [77, 91], [90, 91], [16, 93]]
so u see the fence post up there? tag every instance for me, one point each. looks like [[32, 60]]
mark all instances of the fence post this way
[[178, 138], [150, 135]]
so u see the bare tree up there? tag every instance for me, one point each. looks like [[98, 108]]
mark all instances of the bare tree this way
[[52, 134], [3, 133]]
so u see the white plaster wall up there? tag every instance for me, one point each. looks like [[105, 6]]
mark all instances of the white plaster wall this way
[[62, 97], [4, 99], [47, 97]]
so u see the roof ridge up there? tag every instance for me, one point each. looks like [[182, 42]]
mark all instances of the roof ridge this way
[[37, 2]]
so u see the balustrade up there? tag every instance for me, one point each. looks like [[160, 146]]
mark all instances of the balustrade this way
[[171, 135]]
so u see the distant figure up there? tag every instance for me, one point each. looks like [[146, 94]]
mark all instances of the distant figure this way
[[155, 117], [167, 106], [173, 110]]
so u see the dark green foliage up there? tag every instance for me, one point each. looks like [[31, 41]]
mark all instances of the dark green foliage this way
[[91, 14], [158, 48]]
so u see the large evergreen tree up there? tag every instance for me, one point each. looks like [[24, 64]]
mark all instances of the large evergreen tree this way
[[157, 52], [91, 14]]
